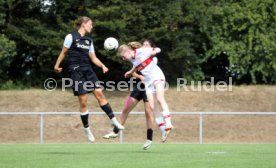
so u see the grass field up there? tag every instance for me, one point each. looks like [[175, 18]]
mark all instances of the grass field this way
[[132, 156]]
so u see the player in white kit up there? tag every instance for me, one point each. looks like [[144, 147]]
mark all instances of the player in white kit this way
[[142, 61]]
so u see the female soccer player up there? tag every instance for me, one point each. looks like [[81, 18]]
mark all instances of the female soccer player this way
[[142, 60], [138, 93], [80, 55]]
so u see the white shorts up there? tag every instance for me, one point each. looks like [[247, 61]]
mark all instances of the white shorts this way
[[156, 75]]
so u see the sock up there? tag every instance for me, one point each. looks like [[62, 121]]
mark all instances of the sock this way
[[167, 117], [84, 118], [108, 111], [116, 130], [160, 123], [149, 134]]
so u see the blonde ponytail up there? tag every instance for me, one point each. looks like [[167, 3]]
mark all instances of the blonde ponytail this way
[[134, 45]]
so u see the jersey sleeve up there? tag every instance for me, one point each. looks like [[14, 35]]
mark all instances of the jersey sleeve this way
[[91, 48], [68, 41]]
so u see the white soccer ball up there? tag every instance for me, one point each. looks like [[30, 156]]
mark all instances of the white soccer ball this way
[[111, 44]]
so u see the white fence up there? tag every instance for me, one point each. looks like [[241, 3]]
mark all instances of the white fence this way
[[135, 113]]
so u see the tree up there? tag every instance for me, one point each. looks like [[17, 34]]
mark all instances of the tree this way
[[7, 52], [244, 31], [159, 21], [199, 39], [7, 49]]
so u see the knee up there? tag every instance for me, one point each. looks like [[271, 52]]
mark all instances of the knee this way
[[148, 115], [100, 97], [149, 107]]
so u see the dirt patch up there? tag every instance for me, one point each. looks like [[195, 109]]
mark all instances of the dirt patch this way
[[216, 129]]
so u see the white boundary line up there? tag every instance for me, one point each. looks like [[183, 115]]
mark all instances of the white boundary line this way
[[137, 113]]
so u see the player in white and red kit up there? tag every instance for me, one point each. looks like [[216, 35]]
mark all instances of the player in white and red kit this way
[[142, 61]]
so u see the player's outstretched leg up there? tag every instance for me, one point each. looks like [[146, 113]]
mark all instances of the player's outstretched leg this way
[[161, 100], [107, 108], [130, 103]]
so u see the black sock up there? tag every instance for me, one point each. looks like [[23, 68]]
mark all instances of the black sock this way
[[115, 130], [84, 119], [107, 109], [149, 134]]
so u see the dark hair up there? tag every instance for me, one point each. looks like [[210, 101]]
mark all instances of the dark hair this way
[[150, 42], [80, 20]]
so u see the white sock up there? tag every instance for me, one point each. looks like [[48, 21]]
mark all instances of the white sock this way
[[167, 117], [84, 113], [114, 120], [160, 123]]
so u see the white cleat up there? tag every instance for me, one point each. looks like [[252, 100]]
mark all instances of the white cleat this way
[[117, 124], [89, 134], [110, 135], [147, 145], [168, 129]]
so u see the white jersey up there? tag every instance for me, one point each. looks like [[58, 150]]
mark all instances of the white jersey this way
[[151, 71]]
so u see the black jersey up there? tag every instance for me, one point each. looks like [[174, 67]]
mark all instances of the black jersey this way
[[79, 50]]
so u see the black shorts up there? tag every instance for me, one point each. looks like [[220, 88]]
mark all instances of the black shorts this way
[[139, 94], [84, 79]]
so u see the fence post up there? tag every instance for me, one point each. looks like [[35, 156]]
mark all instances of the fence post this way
[[41, 128], [200, 127], [121, 136]]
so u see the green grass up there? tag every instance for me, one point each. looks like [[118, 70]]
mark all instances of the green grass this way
[[132, 156]]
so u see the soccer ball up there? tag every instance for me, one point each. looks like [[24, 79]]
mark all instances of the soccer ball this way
[[111, 44]]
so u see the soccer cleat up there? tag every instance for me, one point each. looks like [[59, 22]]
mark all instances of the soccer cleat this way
[[117, 124], [89, 134], [110, 135], [147, 145], [168, 130]]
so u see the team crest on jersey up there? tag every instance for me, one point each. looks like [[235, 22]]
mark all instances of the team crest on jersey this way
[[86, 41]]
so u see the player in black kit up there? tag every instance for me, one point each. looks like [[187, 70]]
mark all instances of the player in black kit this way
[[81, 55]]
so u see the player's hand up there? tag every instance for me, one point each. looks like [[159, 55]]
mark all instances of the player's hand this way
[[105, 69], [127, 74], [58, 69]]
